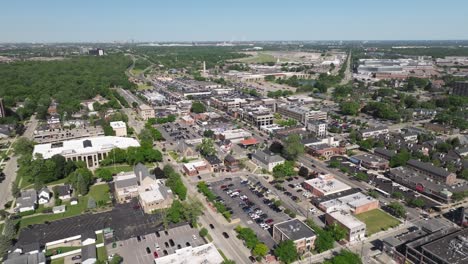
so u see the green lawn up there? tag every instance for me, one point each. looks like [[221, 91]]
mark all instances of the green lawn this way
[[98, 192], [58, 261], [49, 252], [99, 238], [119, 168], [377, 220], [144, 87], [102, 253]]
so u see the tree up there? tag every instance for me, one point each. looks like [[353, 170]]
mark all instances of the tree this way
[[198, 107], [345, 257], [293, 147], [276, 147], [400, 159], [10, 228], [349, 108], [207, 148], [104, 174], [303, 171], [338, 232], [260, 250], [81, 179], [417, 202], [284, 170], [286, 251], [15, 190], [117, 259], [334, 164], [228, 261], [5, 244], [203, 232], [362, 176], [398, 209], [208, 133], [464, 174], [248, 235], [23, 146], [397, 195]]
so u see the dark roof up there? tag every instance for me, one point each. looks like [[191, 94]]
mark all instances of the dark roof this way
[[88, 234], [88, 252], [295, 229], [213, 160], [429, 168], [126, 183], [63, 190], [266, 156], [26, 259], [385, 152], [141, 170], [158, 173], [230, 158], [87, 143], [30, 247]]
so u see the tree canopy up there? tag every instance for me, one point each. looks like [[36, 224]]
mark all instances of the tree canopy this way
[[293, 147], [286, 251], [198, 107]]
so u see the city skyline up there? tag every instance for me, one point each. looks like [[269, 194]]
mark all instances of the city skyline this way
[[144, 21]]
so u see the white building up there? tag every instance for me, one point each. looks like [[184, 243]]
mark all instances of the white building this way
[[90, 150], [58, 209], [43, 196], [318, 127], [120, 128], [355, 228], [204, 254]]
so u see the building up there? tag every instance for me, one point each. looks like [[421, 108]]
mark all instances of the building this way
[[58, 209], [384, 153], [323, 148], [2, 109], [297, 231], [356, 230], [318, 127], [370, 161], [27, 254], [301, 114], [43, 195], [231, 163], [259, 118], [460, 88], [195, 167], [204, 254], [432, 171], [150, 192], [373, 132], [355, 203], [120, 128], [27, 201], [90, 150], [446, 246], [146, 112], [325, 185], [216, 164], [234, 135], [267, 159], [63, 191], [88, 254]]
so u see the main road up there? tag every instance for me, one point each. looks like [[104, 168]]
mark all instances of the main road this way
[[12, 165]]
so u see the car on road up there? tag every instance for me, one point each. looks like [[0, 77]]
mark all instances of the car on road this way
[[148, 250], [76, 257], [211, 226], [225, 235]]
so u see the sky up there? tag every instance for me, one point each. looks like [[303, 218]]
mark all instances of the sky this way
[[234, 20]]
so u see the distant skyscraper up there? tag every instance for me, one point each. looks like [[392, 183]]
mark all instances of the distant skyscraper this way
[[2, 109]]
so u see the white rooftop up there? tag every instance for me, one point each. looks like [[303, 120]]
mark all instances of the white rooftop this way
[[194, 165], [347, 203], [347, 219], [89, 145], [328, 186], [117, 124], [204, 254], [153, 194]]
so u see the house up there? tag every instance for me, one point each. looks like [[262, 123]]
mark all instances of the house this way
[[28, 254], [44, 196], [88, 238], [267, 159], [88, 254], [215, 163], [58, 209], [27, 201], [64, 192], [232, 164], [370, 161], [73, 201], [126, 187], [297, 231]]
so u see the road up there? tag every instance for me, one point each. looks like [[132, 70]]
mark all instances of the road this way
[[11, 166]]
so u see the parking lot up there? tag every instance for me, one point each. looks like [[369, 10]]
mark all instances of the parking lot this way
[[174, 132], [145, 248], [250, 203]]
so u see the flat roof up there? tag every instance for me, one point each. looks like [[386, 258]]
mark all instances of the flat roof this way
[[369, 158], [347, 219], [118, 124], [194, 165], [348, 202], [295, 229], [204, 254], [328, 186], [89, 145], [452, 248]]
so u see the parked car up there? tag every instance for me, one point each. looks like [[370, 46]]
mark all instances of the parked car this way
[[225, 235], [211, 226], [148, 250], [76, 257]]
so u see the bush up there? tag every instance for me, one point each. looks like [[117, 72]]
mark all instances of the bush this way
[[203, 232]]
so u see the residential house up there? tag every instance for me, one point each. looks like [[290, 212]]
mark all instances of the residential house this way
[[370, 161], [267, 159], [27, 201], [64, 192], [44, 196], [88, 254], [88, 238], [432, 171]]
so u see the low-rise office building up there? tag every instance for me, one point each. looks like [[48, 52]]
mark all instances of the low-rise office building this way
[[266, 159], [195, 167], [146, 112], [297, 231], [120, 128], [318, 127], [356, 230], [301, 114], [325, 185], [373, 132], [355, 203], [204, 254], [90, 150]]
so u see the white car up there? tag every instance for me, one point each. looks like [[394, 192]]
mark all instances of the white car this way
[[194, 237]]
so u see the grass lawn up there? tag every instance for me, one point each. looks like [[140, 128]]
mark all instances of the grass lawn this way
[[98, 192], [58, 261], [49, 252], [136, 72], [144, 87], [101, 253], [119, 168], [99, 238], [377, 220]]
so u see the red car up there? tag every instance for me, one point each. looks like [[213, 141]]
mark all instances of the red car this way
[[269, 221], [223, 187], [156, 255]]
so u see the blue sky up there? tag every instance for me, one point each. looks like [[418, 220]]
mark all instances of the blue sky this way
[[198, 20]]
